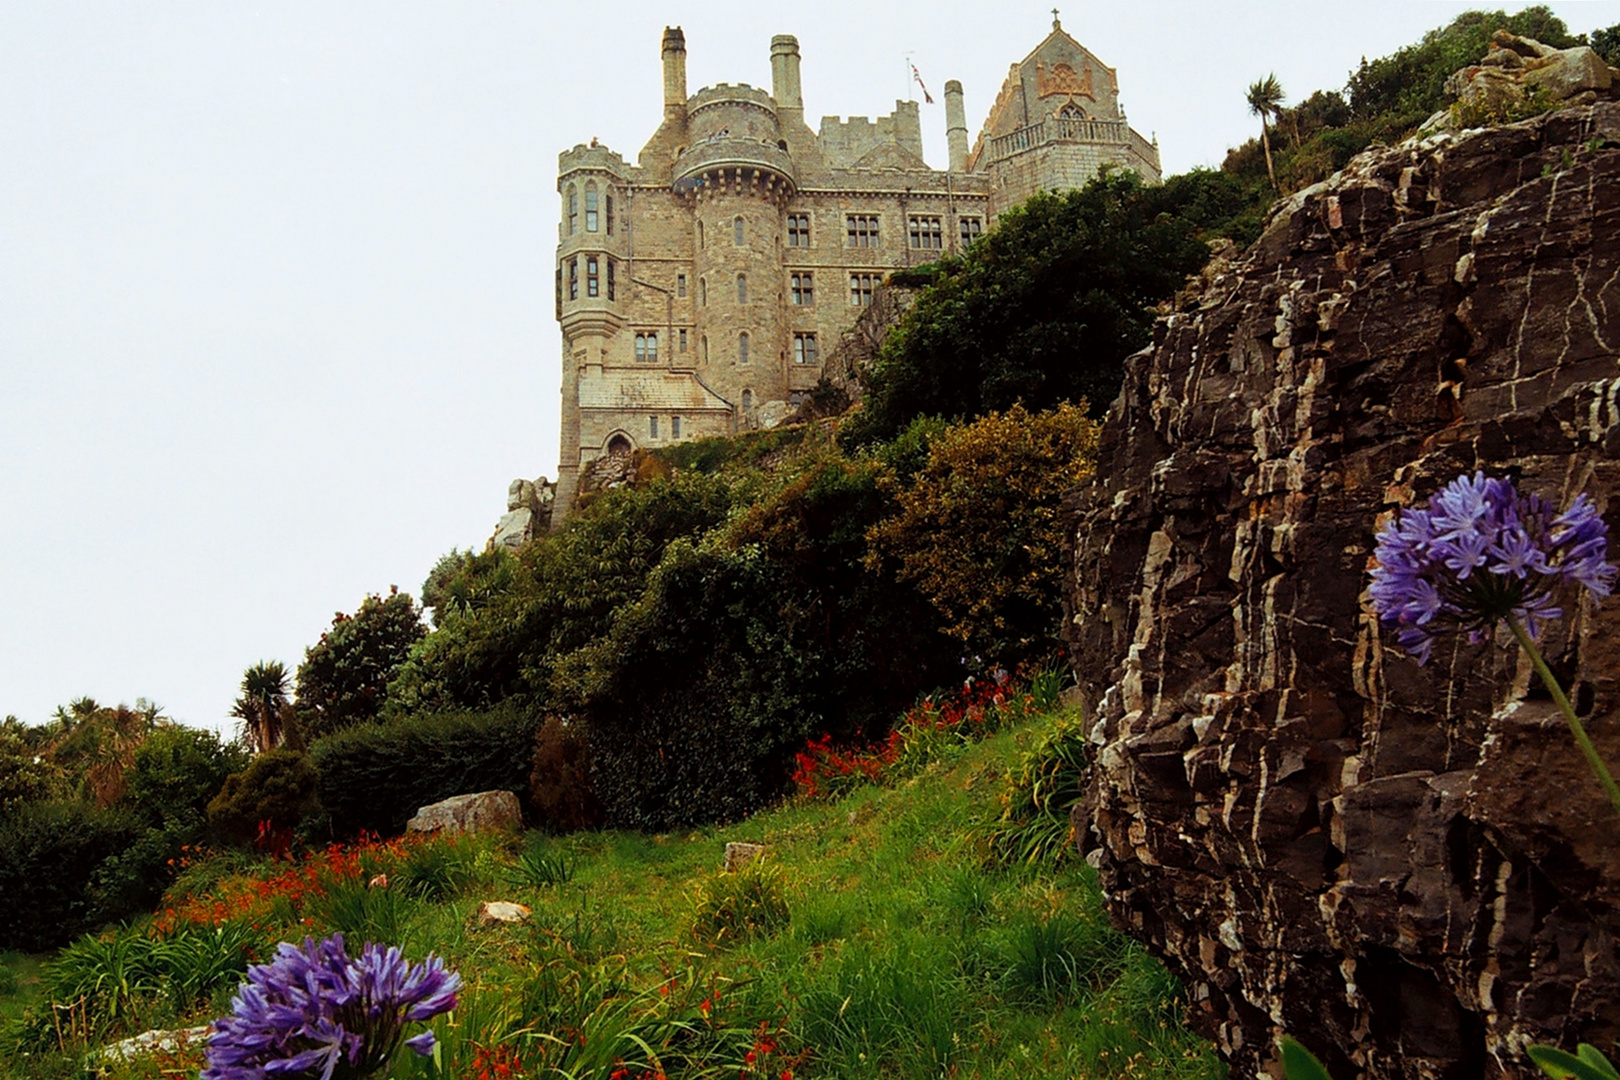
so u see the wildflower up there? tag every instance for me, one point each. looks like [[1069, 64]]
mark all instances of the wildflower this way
[[316, 1010]]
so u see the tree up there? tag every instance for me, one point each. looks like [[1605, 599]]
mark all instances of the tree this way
[[177, 771], [1606, 43], [263, 707], [95, 744], [343, 680], [26, 775], [1265, 98]]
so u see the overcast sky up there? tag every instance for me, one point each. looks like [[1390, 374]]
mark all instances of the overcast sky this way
[[275, 279]]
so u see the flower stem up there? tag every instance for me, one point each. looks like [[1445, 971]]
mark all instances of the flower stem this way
[[1581, 738]]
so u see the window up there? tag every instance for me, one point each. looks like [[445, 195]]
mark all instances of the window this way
[[680, 284], [804, 348], [971, 229], [925, 233], [801, 288], [573, 279], [652, 426], [592, 283], [798, 230], [742, 347], [610, 215], [860, 289], [703, 291], [591, 219], [610, 279], [737, 231], [647, 347], [705, 348], [700, 234], [559, 289], [573, 210], [1071, 111], [862, 230], [748, 399], [683, 340], [674, 427], [742, 288]]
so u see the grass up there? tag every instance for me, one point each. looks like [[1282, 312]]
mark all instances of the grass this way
[[882, 937]]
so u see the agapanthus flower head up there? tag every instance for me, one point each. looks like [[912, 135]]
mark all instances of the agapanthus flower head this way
[[314, 1011], [1483, 553]]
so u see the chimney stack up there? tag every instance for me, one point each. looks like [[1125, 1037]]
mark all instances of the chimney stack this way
[[785, 73], [674, 74], [956, 133]]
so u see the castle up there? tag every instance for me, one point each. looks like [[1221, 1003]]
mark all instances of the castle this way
[[699, 289]]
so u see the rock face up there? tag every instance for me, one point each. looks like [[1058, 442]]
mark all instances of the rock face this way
[[482, 812], [1408, 868], [528, 513], [1518, 71]]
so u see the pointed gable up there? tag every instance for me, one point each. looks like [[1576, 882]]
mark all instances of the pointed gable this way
[[1060, 77]]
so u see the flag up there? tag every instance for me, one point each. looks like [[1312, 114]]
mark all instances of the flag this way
[[915, 74]]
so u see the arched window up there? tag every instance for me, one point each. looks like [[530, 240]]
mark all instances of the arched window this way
[[1071, 111], [618, 446], [742, 288], [703, 291], [573, 210], [592, 221], [742, 347], [737, 231], [700, 234], [748, 399]]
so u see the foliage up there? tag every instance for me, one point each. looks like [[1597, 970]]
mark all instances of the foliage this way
[[1043, 309], [26, 775], [344, 678], [540, 866], [277, 787], [1034, 825], [49, 853], [178, 770], [560, 792], [749, 902], [95, 744], [1588, 1063], [1264, 98], [1606, 43], [980, 530], [264, 709], [437, 868], [376, 776]]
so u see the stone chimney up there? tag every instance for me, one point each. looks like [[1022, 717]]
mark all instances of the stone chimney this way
[[785, 73], [956, 132], [674, 74]]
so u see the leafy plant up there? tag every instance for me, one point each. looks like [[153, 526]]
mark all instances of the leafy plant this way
[[49, 855], [540, 867], [437, 869], [277, 786], [1034, 825], [1588, 1063], [749, 902], [344, 678]]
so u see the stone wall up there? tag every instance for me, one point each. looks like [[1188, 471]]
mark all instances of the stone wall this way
[[1408, 868]]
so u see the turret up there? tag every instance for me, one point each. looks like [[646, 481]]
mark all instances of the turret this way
[[956, 132], [785, 73], [674, 74]]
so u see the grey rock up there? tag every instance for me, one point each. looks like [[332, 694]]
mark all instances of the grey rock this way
[[482, 812], [739, 855]]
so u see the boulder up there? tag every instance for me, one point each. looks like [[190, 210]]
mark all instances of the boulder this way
[[1407, 868], [482, 812], [156, 1042], [772, 414], [739, 855], [1567, 72], [497, 912]]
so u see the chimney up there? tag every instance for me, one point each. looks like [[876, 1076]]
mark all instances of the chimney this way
[[674, 74], [956, 126], [785, 73]]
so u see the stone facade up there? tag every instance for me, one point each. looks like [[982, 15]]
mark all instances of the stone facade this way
[[701, 289]]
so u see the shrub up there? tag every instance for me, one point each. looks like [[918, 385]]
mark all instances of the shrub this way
[[437, 868], [1034, 824], [560, 785], [277, 787], [177, 771], [751, 902], [49, 853], [344, 678], [25, 774], [539, 866], [375, 777]]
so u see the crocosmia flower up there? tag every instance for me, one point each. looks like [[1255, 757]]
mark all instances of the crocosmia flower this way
[[1481, 554], [315, 1012]]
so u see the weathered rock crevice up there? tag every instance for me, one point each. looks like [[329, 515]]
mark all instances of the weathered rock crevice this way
[[1408, 867]]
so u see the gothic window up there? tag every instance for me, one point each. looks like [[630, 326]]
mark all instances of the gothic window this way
[[647, 347], [610, 214], [801, 288], [573, 279], [798, 230], [971, 228], [675, 425], [682, 340], [1071, 111], [862, 230], [652, 427], [804, 348], [737, 231], [610, 278], [618, 446], [742, 347], [591, 217], [680, 284], [926, 233], [860, 289], [592, 277], [573, 210], [742, 288]]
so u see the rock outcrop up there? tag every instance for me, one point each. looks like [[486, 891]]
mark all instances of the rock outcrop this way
[[1519, 75], [1408, 868], [528, 513], [482, 812]]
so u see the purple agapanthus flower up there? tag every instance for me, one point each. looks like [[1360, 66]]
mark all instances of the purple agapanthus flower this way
[[1480, 554], [314, 1011]]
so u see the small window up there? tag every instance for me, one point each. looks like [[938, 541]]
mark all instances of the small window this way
[[593, 285], [862, 230], [1071, 111], [700, 234], [682, 340], [737, 231], [748, 399], [591, 217], [559, 289], [801, 288], [573, 210], [573, 279], [647, 347], [703, 291], [798, 230], [925, 233], [610, 214], [742, 347], [674, 427], [804, 348], [971, 229], [610, 278], [860, 289], [705, 348], [652, 427], [680, 284], [742, 288]]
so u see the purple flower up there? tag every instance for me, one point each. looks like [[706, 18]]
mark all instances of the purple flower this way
[[314, 1011], [1425, 581]]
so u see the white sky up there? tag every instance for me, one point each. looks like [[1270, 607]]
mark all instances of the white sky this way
[[275, 279]]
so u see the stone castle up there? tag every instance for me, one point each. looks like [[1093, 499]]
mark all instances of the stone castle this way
[[700, 288]]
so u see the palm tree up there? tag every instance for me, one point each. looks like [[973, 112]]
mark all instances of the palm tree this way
[[1265, 98], [263, 706]]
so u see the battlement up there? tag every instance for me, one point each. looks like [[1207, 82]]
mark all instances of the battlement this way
[[844, 142], [585, 156], [730, 93]]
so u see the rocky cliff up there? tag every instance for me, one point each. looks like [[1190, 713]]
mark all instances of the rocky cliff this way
[[1408, 868]]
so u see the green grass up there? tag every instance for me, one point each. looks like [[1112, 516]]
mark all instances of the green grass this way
[[904, 949]]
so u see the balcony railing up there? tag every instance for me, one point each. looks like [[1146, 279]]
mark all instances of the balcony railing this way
[[1055, 129]]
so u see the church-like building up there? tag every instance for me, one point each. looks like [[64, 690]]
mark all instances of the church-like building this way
[[699, 289]]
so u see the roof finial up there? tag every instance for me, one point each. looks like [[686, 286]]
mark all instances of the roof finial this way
[[1055, 24]]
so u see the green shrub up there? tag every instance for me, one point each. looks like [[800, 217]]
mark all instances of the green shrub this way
[[1034, 824], [437, 868], [376, 776], [134, 878], [749, 903], [49, 855], [560, 792], [344, 678], [178, 770], [277, 787]]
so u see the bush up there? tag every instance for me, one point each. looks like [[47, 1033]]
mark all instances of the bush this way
[[49, 854], [344, 678], [177, 772], [751, 902], [560, 785], [375, 777], [1034, 825], [277, 787]]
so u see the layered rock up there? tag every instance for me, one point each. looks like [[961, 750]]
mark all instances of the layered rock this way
[[1407, 867], [1519, 75]]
